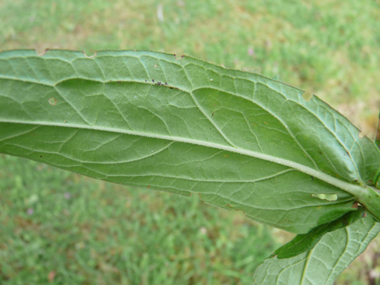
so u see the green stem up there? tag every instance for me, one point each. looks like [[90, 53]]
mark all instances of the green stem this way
[[370, 199], [377, 179]]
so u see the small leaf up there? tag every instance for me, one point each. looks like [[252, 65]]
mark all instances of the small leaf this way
[[305, 242], [321, 265]]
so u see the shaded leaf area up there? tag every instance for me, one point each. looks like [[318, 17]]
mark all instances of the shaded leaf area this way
[[240, 140], [305, 242], [321, 265]]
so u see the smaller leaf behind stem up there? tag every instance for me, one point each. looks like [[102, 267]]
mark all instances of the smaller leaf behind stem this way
[[305, 242], [325, 261]]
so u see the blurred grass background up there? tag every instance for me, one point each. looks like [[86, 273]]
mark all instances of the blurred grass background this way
[[60, 228]]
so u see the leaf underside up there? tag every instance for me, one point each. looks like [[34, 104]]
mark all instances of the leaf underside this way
[[305, 242], [321, 265], [240, 140]]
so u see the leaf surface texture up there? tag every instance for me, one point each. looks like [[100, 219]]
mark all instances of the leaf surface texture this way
[[240, 140]]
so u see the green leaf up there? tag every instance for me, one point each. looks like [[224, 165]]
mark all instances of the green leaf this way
[[240, 140], [377, 141], [321, 265], [305, 242]]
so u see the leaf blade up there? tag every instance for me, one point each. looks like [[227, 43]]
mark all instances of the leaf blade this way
[[116, 119], [331, 255], [306, 242]]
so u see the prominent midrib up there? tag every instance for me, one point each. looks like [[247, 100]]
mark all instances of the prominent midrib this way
[[354, 190], [190, 92]]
